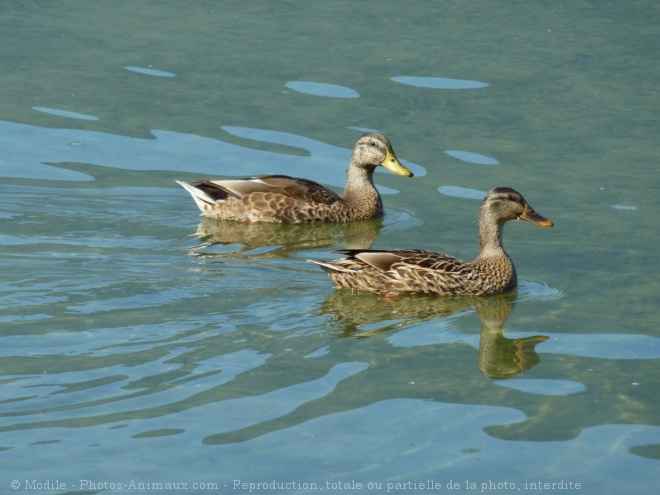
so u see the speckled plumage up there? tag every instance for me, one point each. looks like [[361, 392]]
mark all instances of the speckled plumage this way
[[284, 199], [410, 271]]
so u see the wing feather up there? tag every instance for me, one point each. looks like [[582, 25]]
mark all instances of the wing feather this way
[[292, 187]]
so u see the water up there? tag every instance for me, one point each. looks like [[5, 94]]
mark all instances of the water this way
[[143, 348]]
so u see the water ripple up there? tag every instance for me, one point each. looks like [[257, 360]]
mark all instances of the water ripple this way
[[396, 220], [536, 290], [462, 192], [438, 82], [604, 346], [322, 89], [65, 113], [542, 386], [470, 157], [41, 150], [151, 72]]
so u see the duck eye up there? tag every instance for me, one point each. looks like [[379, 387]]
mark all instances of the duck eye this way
[[372, 143], [509, 197]]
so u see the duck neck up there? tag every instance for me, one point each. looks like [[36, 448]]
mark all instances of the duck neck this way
[[490, 237], [360, 191], [493, 262]]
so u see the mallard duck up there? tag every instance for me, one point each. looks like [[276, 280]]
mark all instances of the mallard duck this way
[[407, 271], [284, 199]]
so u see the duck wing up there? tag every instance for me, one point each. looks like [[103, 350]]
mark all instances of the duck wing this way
[[385, 259], [304, 190]]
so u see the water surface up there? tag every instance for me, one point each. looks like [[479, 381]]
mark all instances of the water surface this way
[[141, 344]]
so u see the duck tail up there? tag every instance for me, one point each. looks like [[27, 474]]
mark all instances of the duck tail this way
[[329, 267], [202, 199]]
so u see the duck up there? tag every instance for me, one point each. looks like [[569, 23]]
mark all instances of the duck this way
[[413, 271], [284, 199]]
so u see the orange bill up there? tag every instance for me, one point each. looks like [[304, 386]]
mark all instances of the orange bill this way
[[529, 215]]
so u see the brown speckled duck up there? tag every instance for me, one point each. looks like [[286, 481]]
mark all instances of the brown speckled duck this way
[[426, 272], [284, 199]]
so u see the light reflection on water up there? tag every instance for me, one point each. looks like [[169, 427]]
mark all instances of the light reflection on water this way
[[471, 157], [65, 113], [173, 151], [151, 72], [323, 89], [462, 192], [438, 82]]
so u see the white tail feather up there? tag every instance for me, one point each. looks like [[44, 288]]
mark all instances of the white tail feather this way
[[330, 266], [202, 199]]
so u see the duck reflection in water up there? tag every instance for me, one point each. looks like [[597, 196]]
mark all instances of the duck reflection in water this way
[[498, 356], [283, 238]]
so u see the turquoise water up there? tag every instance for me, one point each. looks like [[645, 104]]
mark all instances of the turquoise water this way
[[144, 349]]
